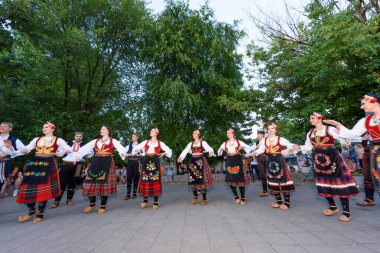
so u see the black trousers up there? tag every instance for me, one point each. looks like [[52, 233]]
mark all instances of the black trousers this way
[[67, 179], [133, 176]]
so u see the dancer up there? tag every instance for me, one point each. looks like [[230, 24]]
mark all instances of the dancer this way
[[8, 145], [133, 168], [200, 175], [369, 188], [261, 161], [68, 170], [332, 177], [236, 173], [278, 175], [41, 179], [101, 178], [371, 124], [150, 179]]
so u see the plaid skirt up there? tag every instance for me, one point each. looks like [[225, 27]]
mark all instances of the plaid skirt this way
[[32, 193], [342, 186], [283, 185], [208, 178], [150, 188], [102, 189]]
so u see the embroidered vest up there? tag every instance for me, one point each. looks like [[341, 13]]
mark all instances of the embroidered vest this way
[[373, 131], [40, 149], [237, 148], [105, 148], [321, 141], [199, 149], [272, 149], [157, 150]]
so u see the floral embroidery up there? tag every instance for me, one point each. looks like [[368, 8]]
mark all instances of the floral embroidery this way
[[35, 174], [233, 170], [274, 170], [323, 161]]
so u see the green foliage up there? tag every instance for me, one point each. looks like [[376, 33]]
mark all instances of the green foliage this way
[[195, 77], [328, 67]]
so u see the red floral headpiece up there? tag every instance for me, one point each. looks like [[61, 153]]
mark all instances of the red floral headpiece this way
[[198, 132], [231, 130], [318, 115], [51, 125], [274, 125], [370, 99]]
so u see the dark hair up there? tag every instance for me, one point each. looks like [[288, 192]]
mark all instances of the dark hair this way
[[261, 132], [109, 128]]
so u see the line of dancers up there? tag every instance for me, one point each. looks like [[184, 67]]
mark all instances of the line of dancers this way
[[43, 179]]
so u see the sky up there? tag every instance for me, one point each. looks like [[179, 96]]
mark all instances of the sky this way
[[230, 10]]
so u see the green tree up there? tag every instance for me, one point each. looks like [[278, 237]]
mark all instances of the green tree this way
[[326, 63], [195, 68], [74, 61]]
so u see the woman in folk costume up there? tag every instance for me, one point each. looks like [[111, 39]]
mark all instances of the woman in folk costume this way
[[236, 172], [332, 177], [41, 179], [371, 124], [200, 174], [150, 179], [100, 179], [278, 175]]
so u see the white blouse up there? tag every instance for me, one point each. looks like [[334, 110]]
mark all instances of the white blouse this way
[[358, 130], [83, 151], [231, 149], [283, 142], [188, 149], [332, 131], [5, 150], [166, 149], [72, 157], [62, 145]]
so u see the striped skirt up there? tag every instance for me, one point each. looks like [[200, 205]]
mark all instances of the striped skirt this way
[[102, 189], [279, 176], [340, 183], [32, 193]]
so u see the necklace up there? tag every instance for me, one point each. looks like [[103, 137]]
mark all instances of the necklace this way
[[47, 143], [231, 143], [104, 141], [317, 132], [272, 140], [376, 120]]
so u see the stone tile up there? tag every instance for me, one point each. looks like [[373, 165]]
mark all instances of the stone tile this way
[[289, 249], [305, 238], [373, 246], [227, 249], [278, 239]]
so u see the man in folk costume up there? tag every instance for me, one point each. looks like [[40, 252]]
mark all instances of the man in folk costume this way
[[369, 187], [261, 161], [150, 182], [8, 145], [70, 170], [133, 168]]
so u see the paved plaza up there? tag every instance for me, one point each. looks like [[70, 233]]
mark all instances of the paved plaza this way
[[179, 226]]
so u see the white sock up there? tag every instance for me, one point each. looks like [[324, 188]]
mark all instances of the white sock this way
[[15, 192]]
